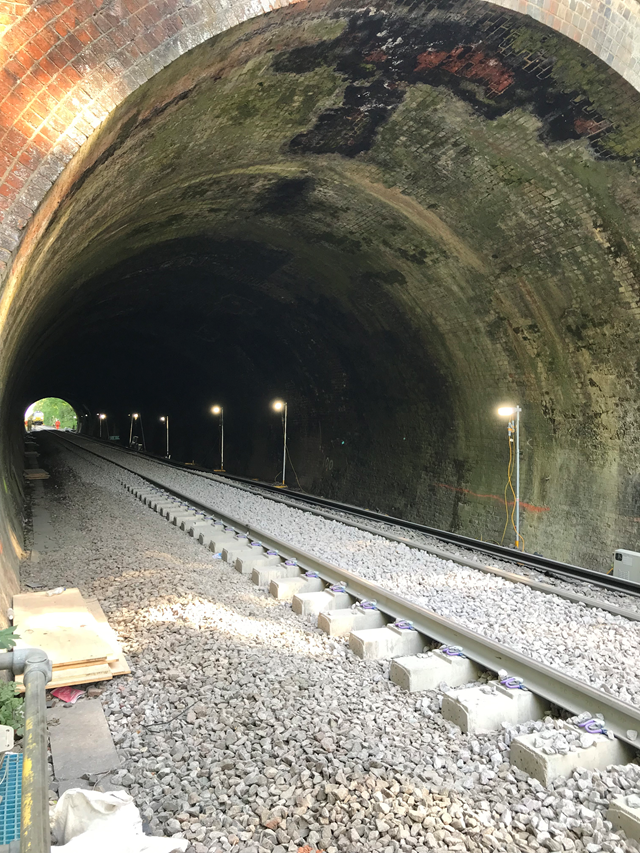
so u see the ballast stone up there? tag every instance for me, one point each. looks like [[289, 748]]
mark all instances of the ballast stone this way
[[387, 642], [478, 709], [429, 671], [526, 755]]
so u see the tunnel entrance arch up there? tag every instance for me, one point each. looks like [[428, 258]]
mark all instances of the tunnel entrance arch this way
[[51, 412]]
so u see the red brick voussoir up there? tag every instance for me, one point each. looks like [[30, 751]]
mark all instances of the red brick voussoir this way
[[65, 65]]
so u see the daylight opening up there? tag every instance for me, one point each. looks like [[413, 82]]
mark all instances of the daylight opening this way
[[50, 412]]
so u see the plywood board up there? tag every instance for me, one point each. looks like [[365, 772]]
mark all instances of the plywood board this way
[[61, 625], [66, 645], [67, 607], [36, 474], [74, 675], [119, 666]]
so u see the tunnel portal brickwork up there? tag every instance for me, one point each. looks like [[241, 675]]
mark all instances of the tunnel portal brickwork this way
[[399, 218], [66, 65]]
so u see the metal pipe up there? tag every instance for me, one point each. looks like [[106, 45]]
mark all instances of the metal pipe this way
[[35, 834], [284, 452], [222, 438], [518, 410], [6, 660]]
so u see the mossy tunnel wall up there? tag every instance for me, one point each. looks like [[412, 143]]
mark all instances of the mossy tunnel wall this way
[[395, 218]]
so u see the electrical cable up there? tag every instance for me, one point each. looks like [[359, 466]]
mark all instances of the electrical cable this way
[[515, 503], [509, 485], [506, 486], [294, 470]]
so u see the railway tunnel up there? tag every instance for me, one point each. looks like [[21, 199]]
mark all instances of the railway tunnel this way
[[396, 218]]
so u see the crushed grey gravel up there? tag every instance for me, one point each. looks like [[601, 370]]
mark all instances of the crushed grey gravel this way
[[589, 644], [244, 729]]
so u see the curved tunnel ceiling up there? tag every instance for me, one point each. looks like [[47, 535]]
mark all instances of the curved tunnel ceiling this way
[[397, 217]]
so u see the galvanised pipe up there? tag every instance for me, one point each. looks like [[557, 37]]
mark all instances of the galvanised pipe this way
[[35, 834], [35, 666]]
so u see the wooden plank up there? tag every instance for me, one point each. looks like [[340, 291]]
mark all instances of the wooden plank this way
[[119, 666], [74, 675], [36, 474]]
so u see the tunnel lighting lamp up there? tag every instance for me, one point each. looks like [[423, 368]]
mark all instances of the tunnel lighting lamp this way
[[100, 419], [510, 411], [219, 410], [281, 406], [165, 420]]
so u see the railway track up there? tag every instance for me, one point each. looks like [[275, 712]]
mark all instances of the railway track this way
[[441, 554], [357, 517], [313, 575]]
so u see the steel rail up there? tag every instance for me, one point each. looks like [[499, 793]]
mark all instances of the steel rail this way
[[576, 597], [578, 697], [510, 555]]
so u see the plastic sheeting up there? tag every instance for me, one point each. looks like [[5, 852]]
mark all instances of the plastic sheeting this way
[[92, 822]]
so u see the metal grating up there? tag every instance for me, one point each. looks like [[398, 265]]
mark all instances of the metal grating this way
[[10, 792]]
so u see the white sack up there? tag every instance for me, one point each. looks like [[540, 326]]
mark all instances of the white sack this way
[[92, 822]]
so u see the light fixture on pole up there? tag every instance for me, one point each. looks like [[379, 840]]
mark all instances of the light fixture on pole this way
[[281, 406], [132, 419], [101, 418], [514, 427], [219, 410], [165, 420]]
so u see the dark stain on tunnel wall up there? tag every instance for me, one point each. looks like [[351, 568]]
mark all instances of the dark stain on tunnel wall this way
[[382, 54]]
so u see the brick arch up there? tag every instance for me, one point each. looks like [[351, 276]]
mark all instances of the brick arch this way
[[66, 64]]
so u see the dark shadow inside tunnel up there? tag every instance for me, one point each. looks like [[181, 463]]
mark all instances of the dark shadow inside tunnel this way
[[200, 320]]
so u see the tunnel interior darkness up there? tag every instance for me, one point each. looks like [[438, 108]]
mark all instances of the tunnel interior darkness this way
[[396, 219]]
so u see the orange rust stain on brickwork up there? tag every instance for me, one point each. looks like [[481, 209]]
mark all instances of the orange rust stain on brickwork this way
[[465, 61], [500, 499]]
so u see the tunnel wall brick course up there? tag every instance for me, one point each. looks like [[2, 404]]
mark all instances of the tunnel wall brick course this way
[[65, 66]]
